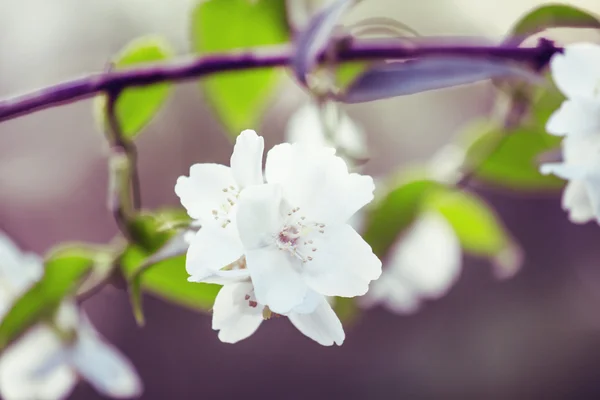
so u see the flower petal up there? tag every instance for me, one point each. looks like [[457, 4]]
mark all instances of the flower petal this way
[[260, 215], [575, 117], [213, 248], [21, 376], [576, 72], [103, 366], [232, 315], [18, 270], [246, 160], [428, 257], [276, 278], [577, 202], [343, 264], [322, 325], [392, 293], [203, 191], [318, 182]]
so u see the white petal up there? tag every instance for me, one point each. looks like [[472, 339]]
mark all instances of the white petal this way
[[427, 258], [575, 117], [212, 249], [260, 215], [392, 293], [577, 202], [203, 191], [311, 301], [322, 325], [318, 182], [103, 366], [18, 270], [576, 72], [276, 278], [22, 368], [564, 170], [246, 160], [305, 127], [342, 265], [233, 317]]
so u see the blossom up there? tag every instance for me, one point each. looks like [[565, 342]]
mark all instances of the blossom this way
[[423, 264], [328, 127], [210, 195], [237, 314], [294, 228], [581, 166], [41, 364], [576, 73]]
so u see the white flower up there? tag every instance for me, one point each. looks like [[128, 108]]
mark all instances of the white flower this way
[[423, 264], [237, 314], [576, 73], [18, 271], [210, 195], [581, 166], [295, 233], [41, 365], [329, 127], [292, 231]]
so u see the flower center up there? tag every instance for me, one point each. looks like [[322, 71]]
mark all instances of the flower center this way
[[295, 235], [221, 214]]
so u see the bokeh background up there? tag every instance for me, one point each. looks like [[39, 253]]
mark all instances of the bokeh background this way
[[534, 336]]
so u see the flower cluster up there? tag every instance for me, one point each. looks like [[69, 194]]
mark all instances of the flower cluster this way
[[278, 242], [47, 361], [576, 73]]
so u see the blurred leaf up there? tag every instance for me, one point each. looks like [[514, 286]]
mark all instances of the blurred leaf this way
[[548, 99], [239, 98], [346, 309], [315, 38], [395, 212], [135, 107], [477, 227], [510, 159], [168, 280], [403, 78], [65, 269], [145, 269], [551, 16]]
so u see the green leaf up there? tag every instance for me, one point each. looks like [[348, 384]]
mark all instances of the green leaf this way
[[478, 228], [239, 98], [347, 310], [395, 212], [553, 16], [346, 73], [135, 107], [511, 159], [65, 269], [168, 280]]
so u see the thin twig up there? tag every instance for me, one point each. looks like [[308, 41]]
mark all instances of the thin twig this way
[[379, 49]]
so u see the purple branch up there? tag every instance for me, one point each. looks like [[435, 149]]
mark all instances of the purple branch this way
[[111, 81]]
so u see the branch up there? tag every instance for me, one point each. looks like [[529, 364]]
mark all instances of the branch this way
[[116, 81]]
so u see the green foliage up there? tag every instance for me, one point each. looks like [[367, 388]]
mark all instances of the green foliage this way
[[135, 107], [65, 269], [346, 73], [511, 159], [166, 278], [479, 230], [553, 16], [239, 97], [346, 309], [395, 212]]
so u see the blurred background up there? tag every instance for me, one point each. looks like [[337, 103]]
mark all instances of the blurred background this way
[[534, 336]]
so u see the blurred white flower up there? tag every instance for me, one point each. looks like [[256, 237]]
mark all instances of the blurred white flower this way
[[423, 264], [295, 232], [18, 271], [329, 127], [576, 73], [42, 365], [210, 195], [237, 314], [581, 167]]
